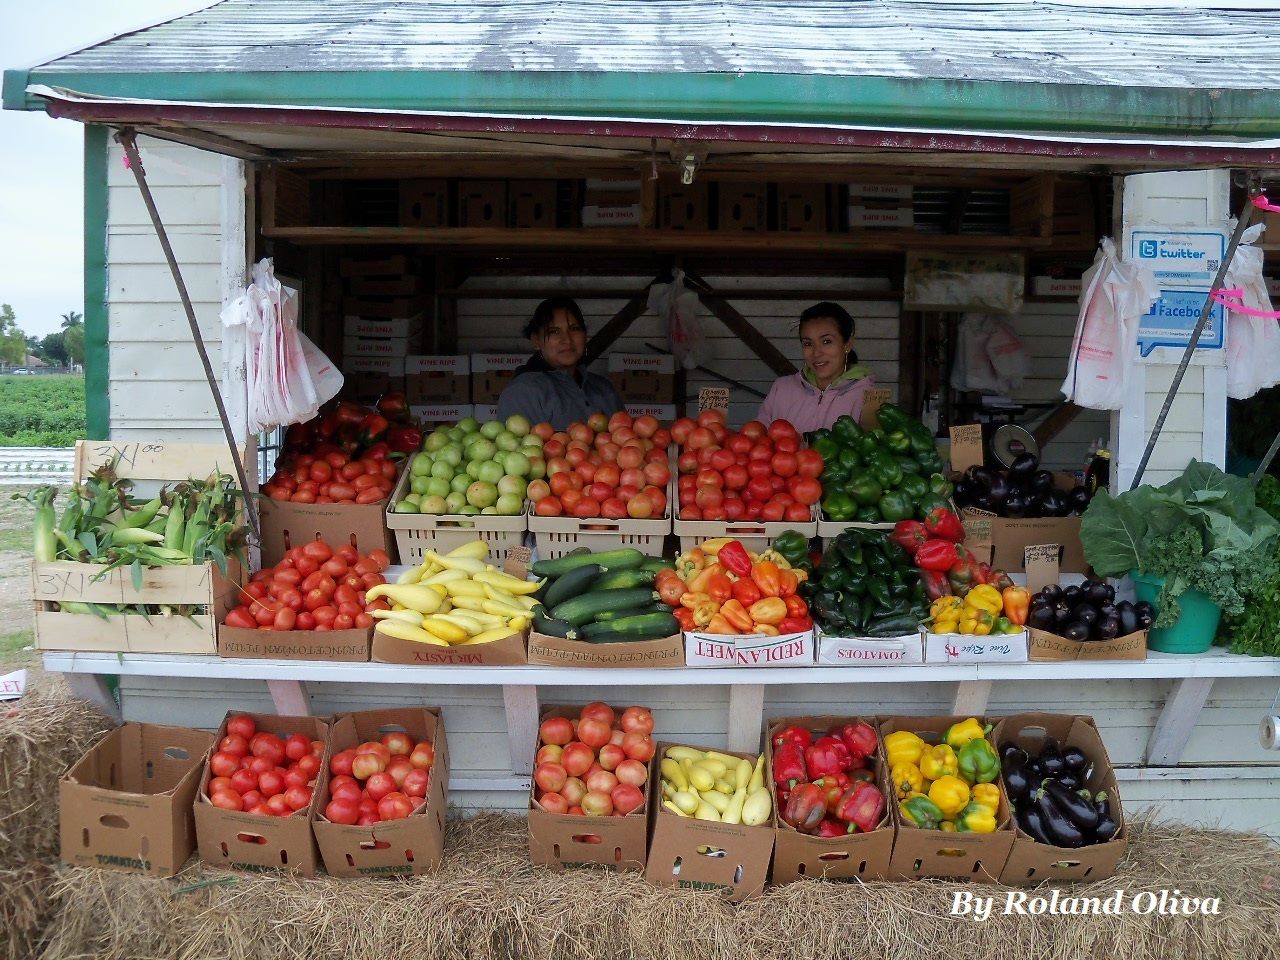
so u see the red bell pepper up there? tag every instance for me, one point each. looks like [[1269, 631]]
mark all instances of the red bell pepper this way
[[999, 579], [718, 587], [733, 557], [937, 554], [796, 606], [373, 428], [745, 591], [829, 829], [404, 439], [862, 805], [792, 734], [833, 786], [860, 737], [942, 522], [910, 535], [963, 575], [795, 624], [379, 451], [827, 755], [394, 406], [789, 766], [935, 584], [805, 808], [347, 414], [684, 616]]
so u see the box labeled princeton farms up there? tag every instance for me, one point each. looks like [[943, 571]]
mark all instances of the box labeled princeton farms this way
[[560, 652], [343, 646], [490, 374], [643, 378], [1030, 861], [432, 380], [731, 859], [857, 856], [920, 853], [127, 804], [564, 840], [256, 842], [409, 846]]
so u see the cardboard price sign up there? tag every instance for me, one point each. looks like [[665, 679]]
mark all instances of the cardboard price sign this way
[[1042, 561], [872, 401], [713, 398], [966, 447]]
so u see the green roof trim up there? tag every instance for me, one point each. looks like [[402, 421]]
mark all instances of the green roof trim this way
[[811, 100]]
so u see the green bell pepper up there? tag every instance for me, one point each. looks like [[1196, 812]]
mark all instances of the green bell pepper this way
[[978, 761], [940, 485], [922, 441], [893, 417], [849, 459], [921, 812], [928, 502], [794, 546], [915, 487], [834, 476], [864, 488], [846, 430], [867, 514], [828, 448], [886, 471], [839, 506], [895, 506], [867, 445], [898, 442], [930, 463]]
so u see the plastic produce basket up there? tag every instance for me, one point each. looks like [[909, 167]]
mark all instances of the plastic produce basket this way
[[556, 536], [828, 530], [418, 533], [754, 535]]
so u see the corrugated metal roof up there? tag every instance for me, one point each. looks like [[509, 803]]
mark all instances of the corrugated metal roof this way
[[1034, 41]]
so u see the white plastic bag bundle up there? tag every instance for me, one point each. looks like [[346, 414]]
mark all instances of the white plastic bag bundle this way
[[1253, 342], [279, 359], [678, 306], [1116, 294], [989, 356]]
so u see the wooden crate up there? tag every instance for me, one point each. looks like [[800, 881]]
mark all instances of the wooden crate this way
[[418, 533]]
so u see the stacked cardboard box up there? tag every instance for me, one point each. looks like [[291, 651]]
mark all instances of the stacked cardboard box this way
[[880, 206], [382, 305], [533, 203], [742, 207], [482, 203], [802, 207], [611, 203], [490, 374], [643, 378]]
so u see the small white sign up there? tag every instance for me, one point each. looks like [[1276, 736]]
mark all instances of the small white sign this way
[[958, 648], [13, 685]]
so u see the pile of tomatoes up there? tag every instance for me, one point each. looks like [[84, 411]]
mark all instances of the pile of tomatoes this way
[[262, 773], [379, 780], [333, 477], [313, 588], [756, 473], [612, 467], [596, 765]]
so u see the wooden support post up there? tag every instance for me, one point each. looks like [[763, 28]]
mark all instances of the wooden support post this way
[[760, 345], [93, 688], [521, 705], [616, 327], [746, 714], [971, 698], [1055, 423], [1178, 718], [290, 698]]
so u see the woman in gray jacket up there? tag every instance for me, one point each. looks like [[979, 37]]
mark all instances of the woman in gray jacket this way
[[552, 385]]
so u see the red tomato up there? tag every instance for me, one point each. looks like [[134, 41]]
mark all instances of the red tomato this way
[[348, 553], [797, 513], [335, 567], [222, 783], [343, 622], [340, 763], [223, 764], [321, 472], [240, 617], [285, 618], [380, 557], [784, 464], [298, 798], [806, 490], [395, 806], [297, 746], [227, 800], [773, 511], [293, 777], [278, 806], [787, 444], [318, 550], [548, 506], [267, 746], [309, 765], [363, 621], [809, 463], [370, 495], [342, 811], [324, 616], [242, 781], [342, 491], [271, 782], [306, 566]]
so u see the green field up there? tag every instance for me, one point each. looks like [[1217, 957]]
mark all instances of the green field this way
[[41, 411]]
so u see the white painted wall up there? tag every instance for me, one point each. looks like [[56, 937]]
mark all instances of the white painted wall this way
[[156, 383]]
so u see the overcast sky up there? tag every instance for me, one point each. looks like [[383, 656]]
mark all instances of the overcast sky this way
[[41, 159]]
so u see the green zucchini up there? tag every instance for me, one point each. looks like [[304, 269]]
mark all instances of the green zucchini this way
[[624, 558], [657, 606], [571, 584], [551, 627], [624, 579], [657, 564], [583, 609], [646, 626]]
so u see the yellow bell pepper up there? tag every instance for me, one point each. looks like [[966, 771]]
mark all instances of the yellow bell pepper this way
[[951, 794], [958, 734], [975, 818], [976, 623], [939, 762], [945, 625], [907, 779], [947, 826], [985, 597], [904, 747], [944, 605], [988, 795]]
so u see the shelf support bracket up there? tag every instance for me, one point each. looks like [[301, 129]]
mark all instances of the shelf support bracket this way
[[1177, 720]]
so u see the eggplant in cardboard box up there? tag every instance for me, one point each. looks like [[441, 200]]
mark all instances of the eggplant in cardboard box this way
[[410, 846], [729, 858], [1079, 750], [127, 803], [256, 842]]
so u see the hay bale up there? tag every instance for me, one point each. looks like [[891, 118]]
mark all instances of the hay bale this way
[[25, 904], [491, 902], [39, 742]]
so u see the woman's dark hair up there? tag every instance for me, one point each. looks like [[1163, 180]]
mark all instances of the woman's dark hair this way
[[826, 310], [546, 310]]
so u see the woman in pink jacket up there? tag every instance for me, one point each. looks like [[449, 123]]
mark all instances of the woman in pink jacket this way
[[832, 383]]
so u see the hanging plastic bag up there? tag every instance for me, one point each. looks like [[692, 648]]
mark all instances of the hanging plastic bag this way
[[1253, 335], [678, 306], [1116, 296], [989, 356], [278, 363]]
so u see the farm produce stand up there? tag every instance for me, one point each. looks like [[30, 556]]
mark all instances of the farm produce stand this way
[[1194, 676]]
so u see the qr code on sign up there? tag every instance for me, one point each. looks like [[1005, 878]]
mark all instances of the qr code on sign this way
[[1211, 265]]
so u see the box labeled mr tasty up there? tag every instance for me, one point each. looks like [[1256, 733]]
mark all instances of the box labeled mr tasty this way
[[127, 804]]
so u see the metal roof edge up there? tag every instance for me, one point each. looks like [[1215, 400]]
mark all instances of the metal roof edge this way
[[824, 100], [14, 95]]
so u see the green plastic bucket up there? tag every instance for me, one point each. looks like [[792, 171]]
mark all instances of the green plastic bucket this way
[[1197, 620]]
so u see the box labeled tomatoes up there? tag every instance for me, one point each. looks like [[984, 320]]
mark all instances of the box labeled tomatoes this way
[[127, 804], [246, 772], [587, 804], [834, 855], [405, 785], [728, 858]]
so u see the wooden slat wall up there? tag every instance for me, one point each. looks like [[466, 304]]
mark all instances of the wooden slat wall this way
[[157, 386]]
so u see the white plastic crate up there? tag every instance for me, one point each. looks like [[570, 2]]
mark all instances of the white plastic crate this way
[[556, 536], [755, 535], [828, 530], [418, 533]]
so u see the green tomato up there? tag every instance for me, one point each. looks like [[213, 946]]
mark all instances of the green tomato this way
[[442, 470], [420, 465], [405, 506], [468, 425], [507, 441], [513, 485], [518, 464], [492, 428], [436, 487], [456, 501], [436, 440], [433, 505], [509, 504], [482, 450], [420, 485], [519, 425], [460, 483], [490, 471]]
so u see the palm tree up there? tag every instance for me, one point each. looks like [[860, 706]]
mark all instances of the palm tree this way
[[72, 319]]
